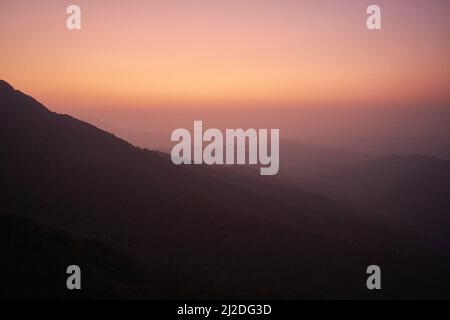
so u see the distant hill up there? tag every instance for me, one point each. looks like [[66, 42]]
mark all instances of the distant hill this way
[[200, 232], [412, 191], [434, 145]]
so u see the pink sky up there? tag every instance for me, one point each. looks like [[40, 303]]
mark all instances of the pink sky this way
[[234, 53]]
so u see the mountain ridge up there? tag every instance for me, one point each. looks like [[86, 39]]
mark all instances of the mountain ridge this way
[[201, 232]]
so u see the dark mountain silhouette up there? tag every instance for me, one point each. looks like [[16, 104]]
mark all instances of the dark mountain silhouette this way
[[35, 259], [200, 232], [408, 191], [303, 161]]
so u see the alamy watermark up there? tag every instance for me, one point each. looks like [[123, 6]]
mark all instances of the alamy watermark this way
[[73, 21], [374, 280], [74, 279], [373, 22], [237, 146]]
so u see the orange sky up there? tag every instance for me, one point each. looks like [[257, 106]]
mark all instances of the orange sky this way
[[226, 53]]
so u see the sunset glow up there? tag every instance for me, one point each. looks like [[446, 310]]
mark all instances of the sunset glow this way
[[226, 53]]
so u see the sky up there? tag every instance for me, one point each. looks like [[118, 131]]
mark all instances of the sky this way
[[227, 53], [158, 65]]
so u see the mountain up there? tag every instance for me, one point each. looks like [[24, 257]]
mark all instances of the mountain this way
[[434, 145], [408, 191], [198, 231], [35, 259]]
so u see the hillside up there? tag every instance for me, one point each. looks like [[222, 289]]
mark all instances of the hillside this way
[[201, 232]]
